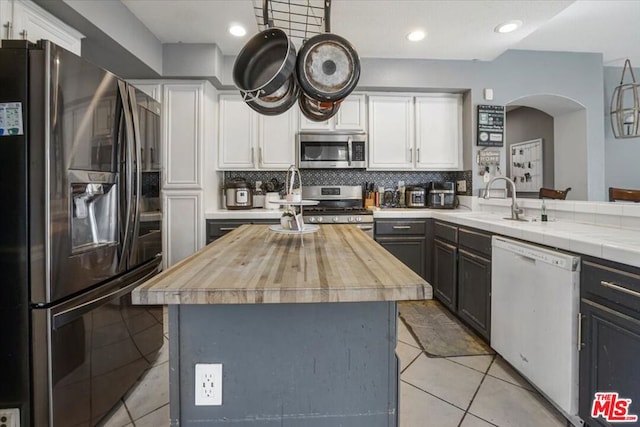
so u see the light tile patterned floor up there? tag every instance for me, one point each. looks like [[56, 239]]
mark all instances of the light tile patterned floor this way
[[470, 391]]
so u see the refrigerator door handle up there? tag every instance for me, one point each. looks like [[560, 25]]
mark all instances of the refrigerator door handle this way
[[137, 173], [124, 94], [66, 316]]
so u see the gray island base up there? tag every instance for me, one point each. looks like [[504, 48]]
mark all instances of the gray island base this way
[[289, 365], [306, 335]]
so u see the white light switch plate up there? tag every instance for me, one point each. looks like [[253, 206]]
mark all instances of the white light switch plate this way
[[462, 186]]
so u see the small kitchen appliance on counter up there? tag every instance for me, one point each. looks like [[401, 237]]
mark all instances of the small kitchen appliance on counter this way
[[415, 197], [442, 195], [238, 195]]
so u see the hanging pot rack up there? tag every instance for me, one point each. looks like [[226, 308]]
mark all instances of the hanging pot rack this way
[[300, 19]]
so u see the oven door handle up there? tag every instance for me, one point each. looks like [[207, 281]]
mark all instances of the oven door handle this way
[[349, 147]]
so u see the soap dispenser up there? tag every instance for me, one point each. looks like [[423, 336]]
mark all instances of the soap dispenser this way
[[543, 212]]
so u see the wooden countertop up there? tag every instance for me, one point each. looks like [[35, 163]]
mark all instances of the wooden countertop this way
[[253, 265]]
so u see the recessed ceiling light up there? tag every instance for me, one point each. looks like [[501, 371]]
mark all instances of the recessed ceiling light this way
[[415, 36], [237, 30], [508, 27]]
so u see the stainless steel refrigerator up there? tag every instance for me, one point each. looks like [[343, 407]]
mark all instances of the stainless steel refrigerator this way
[[76, 176]]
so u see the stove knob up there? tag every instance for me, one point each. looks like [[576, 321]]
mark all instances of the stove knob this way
[[335, 219], [351, 219], [319, 219], [312, 219], [358, 219]]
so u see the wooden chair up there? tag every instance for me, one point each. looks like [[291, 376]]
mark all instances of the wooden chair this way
[[550, 193], [623, 194]]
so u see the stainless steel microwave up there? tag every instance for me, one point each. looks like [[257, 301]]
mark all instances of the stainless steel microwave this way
[[324, 150]]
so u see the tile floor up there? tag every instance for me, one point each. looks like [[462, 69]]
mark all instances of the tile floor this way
[[470, 391]]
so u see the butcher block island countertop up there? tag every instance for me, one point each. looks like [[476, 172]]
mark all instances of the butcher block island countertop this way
[[302, 332], [253, 265]]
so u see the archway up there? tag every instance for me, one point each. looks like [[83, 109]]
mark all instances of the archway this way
[[569, 140]]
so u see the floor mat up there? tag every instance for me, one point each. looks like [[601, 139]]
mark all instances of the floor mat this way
[[438, 332]]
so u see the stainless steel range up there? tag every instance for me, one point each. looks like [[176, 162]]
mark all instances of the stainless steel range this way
[[339, 204]]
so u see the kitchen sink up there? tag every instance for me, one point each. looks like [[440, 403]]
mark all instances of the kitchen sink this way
[[520, 219]]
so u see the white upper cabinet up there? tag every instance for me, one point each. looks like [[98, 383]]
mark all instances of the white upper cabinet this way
[[276, 140], [409, 132], [23, 19], [248, 140], [391, 132], [352, 115], [183, 136], [237, 133], [439, 132]]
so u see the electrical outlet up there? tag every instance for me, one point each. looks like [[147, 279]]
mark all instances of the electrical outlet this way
[[462, 186], [10, 417], [208, 384]]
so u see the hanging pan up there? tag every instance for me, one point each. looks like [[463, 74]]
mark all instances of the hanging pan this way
[[317, 111], [328, 67], [279, 101], [264, 64]]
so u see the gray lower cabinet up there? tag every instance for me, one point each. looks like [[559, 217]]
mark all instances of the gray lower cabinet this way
[[474, 279], [218, 228], [445, 273], [406, 240], [462, 273], [610, 309]]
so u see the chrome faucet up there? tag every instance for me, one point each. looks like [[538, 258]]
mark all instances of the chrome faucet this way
[[515, 211]]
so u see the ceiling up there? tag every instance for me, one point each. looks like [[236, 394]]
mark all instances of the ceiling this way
[[456, 29]]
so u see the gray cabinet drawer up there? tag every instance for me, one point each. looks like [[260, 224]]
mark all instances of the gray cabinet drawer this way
[[446, 232], [218, 228], [400, 227], [618, 284], [474, 241]]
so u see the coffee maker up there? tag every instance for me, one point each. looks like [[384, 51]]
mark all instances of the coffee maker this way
[[442, 195]]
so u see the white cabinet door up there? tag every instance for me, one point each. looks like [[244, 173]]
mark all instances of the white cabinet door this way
[[391, 132], [5, 19], [308, 124], [184, 223], [276, 140], [33, 23], [236, 141], [183, 133], [439, 132], [352, 114]]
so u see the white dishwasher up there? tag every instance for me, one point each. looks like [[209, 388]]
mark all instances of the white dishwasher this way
[[535, 296]]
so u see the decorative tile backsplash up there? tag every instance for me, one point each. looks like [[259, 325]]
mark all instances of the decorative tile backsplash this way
[[151, 184], [356, 177]]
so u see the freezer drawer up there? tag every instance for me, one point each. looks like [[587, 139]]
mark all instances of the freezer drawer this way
[[90, 351]]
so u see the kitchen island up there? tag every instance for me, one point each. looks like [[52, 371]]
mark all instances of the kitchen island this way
[[305, 329]]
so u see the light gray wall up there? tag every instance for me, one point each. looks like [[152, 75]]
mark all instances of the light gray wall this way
[[114, 38], [569, 132], [121, 25], [525, 124], [191, 60], [622, 155]]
